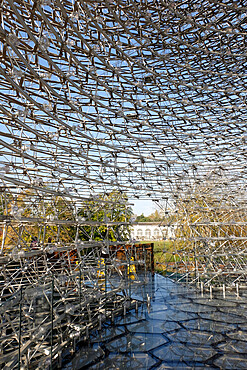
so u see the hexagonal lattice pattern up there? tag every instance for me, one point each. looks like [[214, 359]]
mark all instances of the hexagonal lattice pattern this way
[[105, 102]]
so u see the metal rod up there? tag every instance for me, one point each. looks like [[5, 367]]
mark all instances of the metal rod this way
[[20, 322], [52, 293], [80, 288]]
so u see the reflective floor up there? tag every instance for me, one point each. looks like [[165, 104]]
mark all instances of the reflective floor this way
[[180, 329]]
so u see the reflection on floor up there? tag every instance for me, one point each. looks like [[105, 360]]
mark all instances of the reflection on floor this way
[[180, 329]]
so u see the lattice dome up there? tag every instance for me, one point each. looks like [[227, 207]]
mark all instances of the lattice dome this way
[[104, 103], [146, 97]]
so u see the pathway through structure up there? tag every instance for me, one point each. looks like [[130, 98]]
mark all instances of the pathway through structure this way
[[180, 329]]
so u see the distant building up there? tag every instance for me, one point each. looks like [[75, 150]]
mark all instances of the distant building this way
[[151, 231]]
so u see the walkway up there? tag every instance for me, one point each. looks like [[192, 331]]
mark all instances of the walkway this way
[[180, 329]]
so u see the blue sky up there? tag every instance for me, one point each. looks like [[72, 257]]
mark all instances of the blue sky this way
[[145, 206]]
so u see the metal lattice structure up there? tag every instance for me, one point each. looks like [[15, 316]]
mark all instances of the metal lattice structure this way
[[209, 246], [107, 101]]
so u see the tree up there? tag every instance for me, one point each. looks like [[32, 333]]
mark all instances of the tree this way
[[154, 217], [33, 216], [211, 232], [141, 218], [101, 213]]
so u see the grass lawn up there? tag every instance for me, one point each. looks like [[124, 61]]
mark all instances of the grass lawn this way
[[164, 254]]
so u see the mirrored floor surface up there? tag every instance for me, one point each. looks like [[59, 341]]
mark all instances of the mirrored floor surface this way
[[180, 329]]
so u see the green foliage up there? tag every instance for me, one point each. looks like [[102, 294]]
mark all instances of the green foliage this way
[[106, 217], [154, 217], [101, 213], [5, 201], [141, 218]]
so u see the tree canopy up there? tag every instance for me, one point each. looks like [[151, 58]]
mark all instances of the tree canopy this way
[[153, 217], [56, 218]]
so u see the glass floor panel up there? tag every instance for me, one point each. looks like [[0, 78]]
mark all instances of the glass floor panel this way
[[179, 329]]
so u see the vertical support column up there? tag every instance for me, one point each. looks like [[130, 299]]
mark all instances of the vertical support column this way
[[128, 274], [196, 264], [105, 278], [224, 291], [44, 235], [152, 258], [80, 288], [52, 294], [211, 291], [105, 286], [20, 322], [5, 229], [107, 250]]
